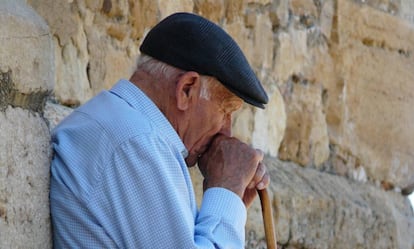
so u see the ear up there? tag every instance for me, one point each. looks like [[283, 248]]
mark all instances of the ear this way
[[187, 90]]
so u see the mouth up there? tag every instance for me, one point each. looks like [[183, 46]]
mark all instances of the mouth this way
[[203, 149]]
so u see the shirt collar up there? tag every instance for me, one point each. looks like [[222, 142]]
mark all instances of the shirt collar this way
[[140, 101]]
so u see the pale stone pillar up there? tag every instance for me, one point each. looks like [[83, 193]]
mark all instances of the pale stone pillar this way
[[26, 79]]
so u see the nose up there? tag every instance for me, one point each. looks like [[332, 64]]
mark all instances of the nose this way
[[226, 128]]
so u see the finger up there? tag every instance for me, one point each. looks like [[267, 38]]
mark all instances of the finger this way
[[260, 172], [264, 183], [259, 155]]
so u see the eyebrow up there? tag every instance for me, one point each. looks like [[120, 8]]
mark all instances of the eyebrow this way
[[232, 104]]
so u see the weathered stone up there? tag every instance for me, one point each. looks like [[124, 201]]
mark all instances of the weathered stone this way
[[306, 140], [373, 117], [303, 8], [343, 67], [263, 44], [72, 69], [118, 32], [211, 9], [243, 124], [292, 54], [389, 6], [327, 18], [167, 7], [406, 11], [142, 14], [10, 95], [364, 24], [279, 13], [25, 48], [269, 125], [63, 25], [263, 2], [234, 9], [24, 180], [119, 64], [55, 113], [115, 8], [94, 5], [319, 210]]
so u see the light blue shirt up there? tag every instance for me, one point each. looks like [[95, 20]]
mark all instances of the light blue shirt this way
[[119, 180]]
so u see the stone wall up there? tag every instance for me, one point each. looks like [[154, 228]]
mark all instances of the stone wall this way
[[337, 130], [26, 79]]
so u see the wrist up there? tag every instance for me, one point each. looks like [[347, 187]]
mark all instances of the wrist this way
[[236, 188]]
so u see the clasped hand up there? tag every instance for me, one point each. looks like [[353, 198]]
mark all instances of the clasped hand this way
[[234, 165]]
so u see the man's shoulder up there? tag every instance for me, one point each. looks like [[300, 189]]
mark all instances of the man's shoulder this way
[[107, 114]]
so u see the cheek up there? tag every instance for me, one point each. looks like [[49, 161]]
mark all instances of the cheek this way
[[217, 122]]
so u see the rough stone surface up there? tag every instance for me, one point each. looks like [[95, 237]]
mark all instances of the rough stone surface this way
[[270, 125], [369, 106], [306, 139], [24, 180], [54, 113], [320, 210], [25, 46], [339, 77], [26, 79], [313, 209]]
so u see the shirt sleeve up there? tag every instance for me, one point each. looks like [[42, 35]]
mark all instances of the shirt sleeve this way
[[144, 200], [221, 219]]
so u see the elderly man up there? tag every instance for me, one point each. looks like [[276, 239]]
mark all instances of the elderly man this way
[[119, 176]]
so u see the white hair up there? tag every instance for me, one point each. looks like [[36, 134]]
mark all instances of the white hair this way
[[159, 69]]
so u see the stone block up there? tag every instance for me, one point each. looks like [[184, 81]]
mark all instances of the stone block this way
[[24, 180], [243, 124], [167, 7], [389, 6], [25, 48], [63, 25], [303, 8], [211, 9], [234, 9], [142, 14], [306, 139], [279, 13], [312, 209], [292, 54], [262, 49], [356, 23], [269, 125], [319, 210], [262, 2], [373, 94], [72, 68], [326, 18], [54, 113], [406, 11]]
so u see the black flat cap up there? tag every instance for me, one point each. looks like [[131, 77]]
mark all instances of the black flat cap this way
[[193, 43]]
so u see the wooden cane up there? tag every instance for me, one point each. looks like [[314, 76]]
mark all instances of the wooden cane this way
[[267, 219]]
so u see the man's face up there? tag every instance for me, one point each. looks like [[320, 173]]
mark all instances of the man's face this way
[[211, 117]]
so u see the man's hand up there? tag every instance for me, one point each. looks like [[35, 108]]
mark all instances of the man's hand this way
[[232, 164]]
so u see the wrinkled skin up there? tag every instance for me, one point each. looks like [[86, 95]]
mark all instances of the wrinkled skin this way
[[234, 165], [204, 126]]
